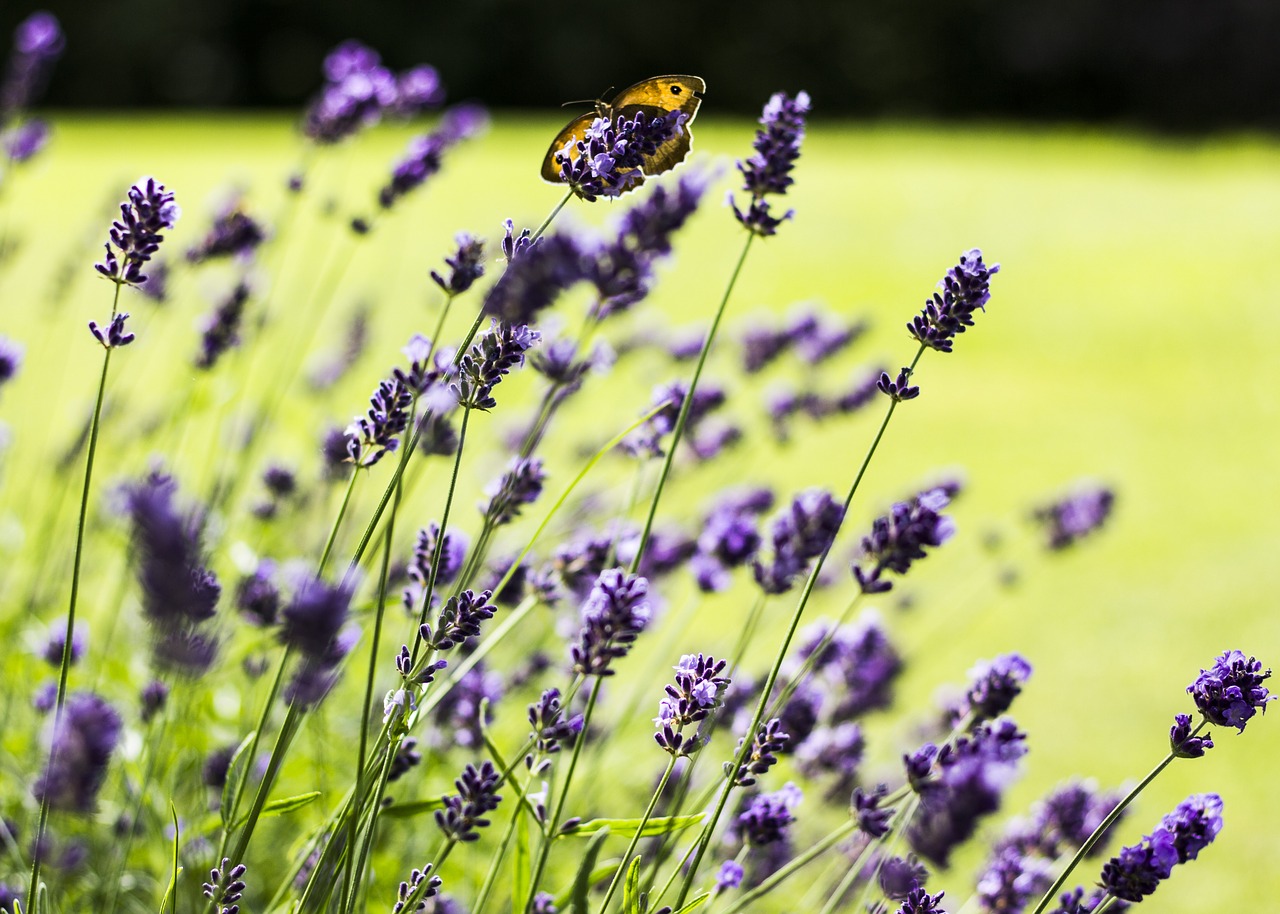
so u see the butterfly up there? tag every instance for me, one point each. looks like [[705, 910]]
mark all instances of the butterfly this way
[[656, 97]]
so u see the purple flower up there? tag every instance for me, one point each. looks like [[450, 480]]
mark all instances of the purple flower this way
[[995, 684], [898, 389], [1231, 691], [768, 172], [83, 737], [179, 593], [37, 43], [899, 538], [313, 625], [551, 725], [335, 445], [477, 794], [1182, 743], [425, 154], [918, 901], [225, 886], [965, 289], [802, 532], [697, 692], [453, 554], [414, 888], [374, 434], [491, 358], [768, 816], [136, 234], [769, 739], [56, 641], [1138, 870], [1076, 902], [460, 619], [730, 876], [862, 659], [898, 876], [833, 752], [233, 234], [407, 758], [154, 697], [1076, 516], [222, 329], [114, 336], [613, 616], [608, 160], [10, 359], [465, 266], [537, 273], [26, 140], [969, 777], [1011, 880], [520, 485], [873, 819], [357, 92], [418, 89], [647, 441]]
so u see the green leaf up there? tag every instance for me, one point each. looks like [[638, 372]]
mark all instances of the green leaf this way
[[170, 892], [697, 901], [627, 828], [582, 882], [289, 804], [236, 770], [598, 875], [411, 808], [631, 889]]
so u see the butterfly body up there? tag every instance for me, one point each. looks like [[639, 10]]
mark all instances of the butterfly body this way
[[655, 97]]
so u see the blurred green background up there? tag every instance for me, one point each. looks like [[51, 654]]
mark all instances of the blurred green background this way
[[1130, 340]]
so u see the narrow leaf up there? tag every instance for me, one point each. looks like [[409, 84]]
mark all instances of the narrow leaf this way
[[696, 902], [631, 888], [289, 804], [627, 828], [411, 808], [236, 770], [582, 882]]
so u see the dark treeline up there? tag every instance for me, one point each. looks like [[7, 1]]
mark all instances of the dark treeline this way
[[1181, 65]]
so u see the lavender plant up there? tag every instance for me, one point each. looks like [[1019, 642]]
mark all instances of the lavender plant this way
[[518, 649]]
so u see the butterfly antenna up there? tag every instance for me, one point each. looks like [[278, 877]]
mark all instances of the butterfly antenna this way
[[580, 101]]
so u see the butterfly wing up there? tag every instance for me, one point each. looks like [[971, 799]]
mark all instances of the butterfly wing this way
[[656, 97], [575, 130]]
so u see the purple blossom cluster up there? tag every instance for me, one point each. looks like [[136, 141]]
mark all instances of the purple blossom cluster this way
[[38, 42], [1071, 519], [359, 91], [608, 160], [425, 154], [965, 289], [900, 538], [802, 532], [148, 211], [768, 172], [697, 693], [613, 616], [1138, 870], [463, 813], [314, 626], [82, 740], [490, 359]]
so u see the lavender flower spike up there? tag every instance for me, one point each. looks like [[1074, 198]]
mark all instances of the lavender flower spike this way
[[477, 794], [697, 693], [1231, 691], [614, 614], [491, 357], [83, 739], [899, 538], [607, 161], [465, 266], [965, 289], [768, 172], [136, 234], [1076, 516], [1138, 870]]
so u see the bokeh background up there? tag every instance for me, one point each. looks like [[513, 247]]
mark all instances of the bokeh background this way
[[1118, 159]]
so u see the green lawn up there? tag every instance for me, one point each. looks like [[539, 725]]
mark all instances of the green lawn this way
[[1130, 340]]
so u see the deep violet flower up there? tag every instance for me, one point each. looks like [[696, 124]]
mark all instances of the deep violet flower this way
[[802, 532], [314, 626], [425, 154], [1138, 870], [1231, 691], [520, 485], [607, 160], [371, 436], [10, 359], [491, 358], [965, 289], [225, 886], [613, 616], [697, 692], [477, 794], [148, 210], [420, 886], [465, 266], [82, 740], [222, 328], [768, 816], [358, 89], [901, 537], [234, 233], [37, 44], [1076, 516], [768, 172]]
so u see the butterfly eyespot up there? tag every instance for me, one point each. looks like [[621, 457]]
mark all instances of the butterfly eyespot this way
[[675, 90]]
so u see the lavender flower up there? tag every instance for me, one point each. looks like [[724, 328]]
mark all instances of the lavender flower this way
[[729, 876], [453, 554], [10, 359], [465, 266], [179, 593], [697, 692], [1231, 691], [969, 777], [1073, 518], [520, 485], [900, 538], [996, 684], [537, 273], [491, 357], [373, 435], [460, 619], [551, 726], [768, 816], [899, 876], [225, 886], [407, 758], [420, 886], [114, 336], [425, 154], [477, 794], [1076, 902], [918, 901], [313, 626], [154, 697], [222, 330], [864, 662], [233, 234], [458, 713], [768, 740], [56, 642], [613, 616], [1182, 743], [647, 440], [26, 140], [357, 91], [833, 752], [802, 532], [82, 740], [897, 389], [872, 818], [418, 89], [37, 44], [136, 234], [768, 172], [608, 160], [965, 289], [1011, 880], [1138, 870]]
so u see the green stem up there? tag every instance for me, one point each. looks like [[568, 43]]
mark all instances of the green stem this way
[[490, 877], [65, 666], [683, 418], [337, 523], [552, 824], [287, 730], [555, 212], [1101, 830], [797, 863], [620, 873]]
